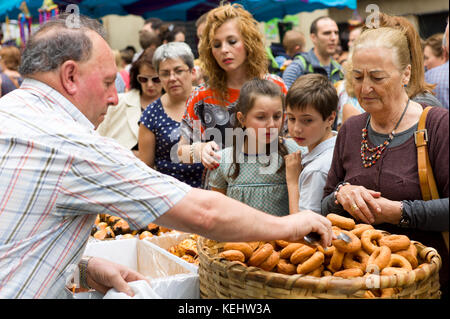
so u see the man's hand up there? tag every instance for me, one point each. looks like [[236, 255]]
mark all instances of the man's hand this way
[[103, 275], [308, 221]]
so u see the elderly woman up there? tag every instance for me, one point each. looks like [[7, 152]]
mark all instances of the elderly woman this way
[[121, 121], [159, 129], [374, 172], [232, 52]]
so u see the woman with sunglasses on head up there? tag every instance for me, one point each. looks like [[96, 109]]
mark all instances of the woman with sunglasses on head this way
[[159, 128], [121, 120], [232, 52]]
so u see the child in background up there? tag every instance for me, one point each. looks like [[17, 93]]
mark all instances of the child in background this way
[[311, 109], [252, 170]]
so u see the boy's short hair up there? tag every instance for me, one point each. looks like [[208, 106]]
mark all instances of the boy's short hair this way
[[292, 39], [313, 90]]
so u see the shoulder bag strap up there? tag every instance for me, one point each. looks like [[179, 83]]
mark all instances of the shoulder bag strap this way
[[426, 177]]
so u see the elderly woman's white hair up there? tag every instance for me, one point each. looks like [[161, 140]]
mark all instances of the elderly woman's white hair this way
[[173, 50]]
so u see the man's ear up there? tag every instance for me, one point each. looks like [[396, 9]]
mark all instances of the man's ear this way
[[68, 73], [313, 38]]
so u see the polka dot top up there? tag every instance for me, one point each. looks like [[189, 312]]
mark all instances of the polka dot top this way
[[167, 134]]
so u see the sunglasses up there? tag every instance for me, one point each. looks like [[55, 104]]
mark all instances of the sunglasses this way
[[143, 79]]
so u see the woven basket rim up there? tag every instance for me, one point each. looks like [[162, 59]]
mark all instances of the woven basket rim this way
[[431, 265]]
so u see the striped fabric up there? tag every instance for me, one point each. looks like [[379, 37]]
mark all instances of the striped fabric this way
[[56, 175]]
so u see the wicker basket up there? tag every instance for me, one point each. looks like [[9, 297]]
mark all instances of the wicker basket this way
[[220, 278]]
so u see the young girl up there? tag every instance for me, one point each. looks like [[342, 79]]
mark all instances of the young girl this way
[[252, 170]]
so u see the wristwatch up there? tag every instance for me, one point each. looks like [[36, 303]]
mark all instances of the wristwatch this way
[[338, 187], [404, 220], [82, 267]]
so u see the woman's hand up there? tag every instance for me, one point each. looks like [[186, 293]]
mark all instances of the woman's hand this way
[[104, 275], [359, 202], [294, 167], [391, 211], [210, 159]]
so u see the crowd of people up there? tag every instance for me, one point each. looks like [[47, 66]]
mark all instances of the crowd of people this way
[[218, 146]]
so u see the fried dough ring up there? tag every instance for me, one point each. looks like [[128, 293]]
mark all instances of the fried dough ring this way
[[349, 273], [254, 244], [287, 251], [270, 262], [361, 228], [353, 246], [315, 261], [261, 254], [316, 272], [400, 262], [367, 237], [336, 260], [358, 259], [379, 259], [301, 254], [410, 254], [233, 255], [245, 248], [285, 267], [395, 242], [282, 243], [341, 221]]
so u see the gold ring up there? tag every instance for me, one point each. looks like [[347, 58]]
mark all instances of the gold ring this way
[[354, 207]]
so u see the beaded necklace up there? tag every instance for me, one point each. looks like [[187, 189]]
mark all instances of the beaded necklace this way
[[370, 160]]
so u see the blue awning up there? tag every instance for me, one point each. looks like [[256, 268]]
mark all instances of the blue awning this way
[[176, 10]]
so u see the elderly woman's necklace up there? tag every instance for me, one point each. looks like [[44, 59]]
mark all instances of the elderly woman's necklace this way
[[369, 160]]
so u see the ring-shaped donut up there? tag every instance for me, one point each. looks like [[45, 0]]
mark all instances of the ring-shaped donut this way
[[270, 262], [367, 237], [378, 260], [410, 254], [287, 251], [282, 243], [360, 228], [315, 261], [395, 242], [341, 221], [336, 260], [316, 272], [301, 254], [400, 262], [343, 246], [245, 248], [261, 254], [349, 273], [233, 255], [285, 267], [357, 259]]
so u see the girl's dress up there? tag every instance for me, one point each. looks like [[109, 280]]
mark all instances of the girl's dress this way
[[257, 185]]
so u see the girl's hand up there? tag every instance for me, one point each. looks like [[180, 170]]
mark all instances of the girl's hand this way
[[294, 167], [359, 202], [210, 159]]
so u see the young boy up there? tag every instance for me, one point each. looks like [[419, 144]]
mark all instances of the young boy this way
[[311, 109]]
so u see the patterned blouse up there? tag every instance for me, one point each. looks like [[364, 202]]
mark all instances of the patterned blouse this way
[[167, 133]]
